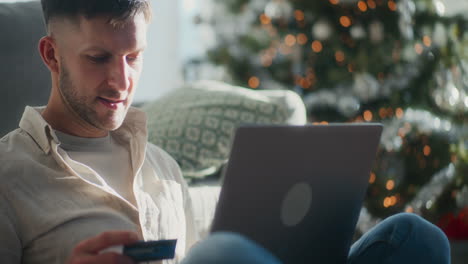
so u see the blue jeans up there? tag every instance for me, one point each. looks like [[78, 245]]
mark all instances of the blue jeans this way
[[402, 238]]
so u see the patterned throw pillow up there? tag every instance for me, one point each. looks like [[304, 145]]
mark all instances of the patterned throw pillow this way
[[196, 123]]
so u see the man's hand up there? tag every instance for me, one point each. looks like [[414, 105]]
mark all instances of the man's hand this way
[[88, 251]]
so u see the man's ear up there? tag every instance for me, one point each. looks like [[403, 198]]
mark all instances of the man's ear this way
[[48, 51]]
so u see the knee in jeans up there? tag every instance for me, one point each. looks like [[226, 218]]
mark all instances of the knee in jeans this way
[[408, 221], [404, 238], [426, 233], [416, 223]]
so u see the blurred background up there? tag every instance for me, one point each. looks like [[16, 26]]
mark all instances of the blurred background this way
[[402, 63]]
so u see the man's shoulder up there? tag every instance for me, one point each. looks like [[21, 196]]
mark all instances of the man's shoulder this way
[[15, 143], [16, 149], [7, 143]]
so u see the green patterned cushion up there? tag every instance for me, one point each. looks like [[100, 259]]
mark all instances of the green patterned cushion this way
[[195, 123]]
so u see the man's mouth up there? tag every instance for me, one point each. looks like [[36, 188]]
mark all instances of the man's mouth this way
[[111, 103]]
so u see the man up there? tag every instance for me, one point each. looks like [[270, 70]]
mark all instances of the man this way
[[78, 176], [81, 165]]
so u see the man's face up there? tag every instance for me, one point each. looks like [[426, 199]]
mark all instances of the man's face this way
[[99, 68]]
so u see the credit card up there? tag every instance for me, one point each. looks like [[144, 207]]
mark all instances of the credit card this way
[[151, 250]]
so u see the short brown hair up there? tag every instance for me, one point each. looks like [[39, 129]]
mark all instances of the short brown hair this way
[[117, 10]]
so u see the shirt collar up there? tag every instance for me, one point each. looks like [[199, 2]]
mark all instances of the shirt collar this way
[[33, 123]]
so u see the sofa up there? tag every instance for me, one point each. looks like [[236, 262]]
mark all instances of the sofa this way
[[25, 79], [211, 110]]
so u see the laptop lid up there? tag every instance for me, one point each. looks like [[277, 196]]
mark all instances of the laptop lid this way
[[298, 190]]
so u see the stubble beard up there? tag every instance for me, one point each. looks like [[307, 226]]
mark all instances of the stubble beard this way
[[83, 106]]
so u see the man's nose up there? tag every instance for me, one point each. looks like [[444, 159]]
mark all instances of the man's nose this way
[[120, 75]]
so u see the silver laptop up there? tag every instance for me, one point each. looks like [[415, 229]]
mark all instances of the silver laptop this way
[[298, 190]]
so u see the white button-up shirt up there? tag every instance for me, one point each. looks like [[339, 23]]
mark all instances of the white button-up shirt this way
[[49, 202]]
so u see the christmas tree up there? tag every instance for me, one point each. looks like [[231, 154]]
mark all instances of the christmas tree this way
[[402, 63]]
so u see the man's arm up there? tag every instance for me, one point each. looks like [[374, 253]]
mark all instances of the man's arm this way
[[176, 174], [191, 232]]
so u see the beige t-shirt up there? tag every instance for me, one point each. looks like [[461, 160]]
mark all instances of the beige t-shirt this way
[[106, 157]]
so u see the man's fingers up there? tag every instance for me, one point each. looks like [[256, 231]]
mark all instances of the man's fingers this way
[[105, 240]]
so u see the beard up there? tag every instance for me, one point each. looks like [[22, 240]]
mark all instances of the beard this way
[[85, 106]]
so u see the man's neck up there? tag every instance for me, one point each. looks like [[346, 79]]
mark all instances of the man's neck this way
[[61, 121]]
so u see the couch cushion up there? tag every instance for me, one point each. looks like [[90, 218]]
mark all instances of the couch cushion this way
[[196, 123], [24, 78]]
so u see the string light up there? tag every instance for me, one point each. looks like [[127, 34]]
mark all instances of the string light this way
[[264, 19], [302, 39], [372, 178], [362, 6], [317, 46], [386, 202], [306, 83], [399, 113], [392, 5], [311, 79], [290, 40], [368, 115], [389, 201], [427, 150], [345, 21], [371, 4], [409, 209], [254, 82], [299, 15], [390, 185], [339, 56], [427, 41], [334, 2], [382, 113]]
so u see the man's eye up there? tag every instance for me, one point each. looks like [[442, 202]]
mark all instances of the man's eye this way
[[133, 58], [98, 59]]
